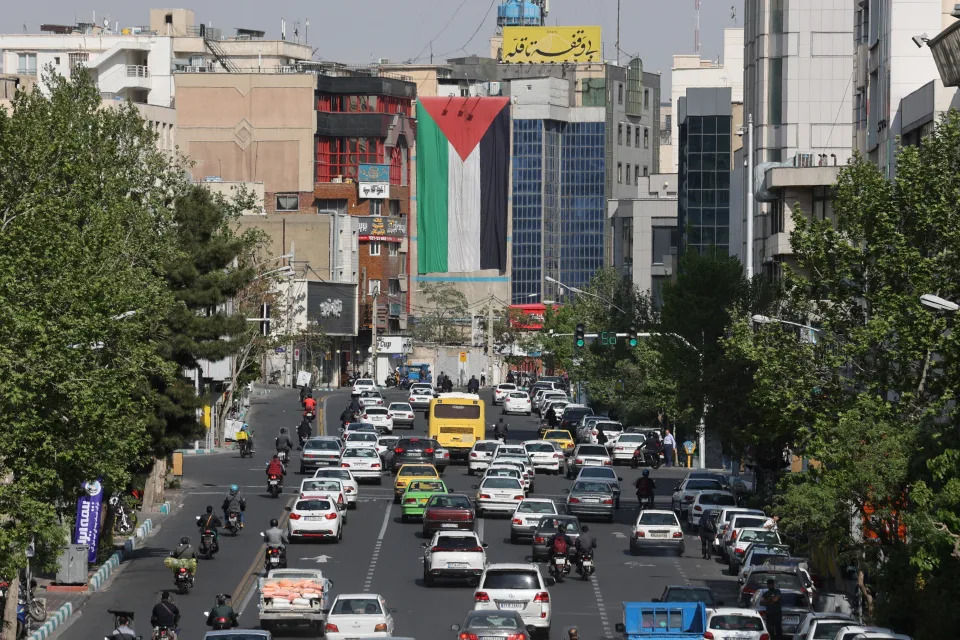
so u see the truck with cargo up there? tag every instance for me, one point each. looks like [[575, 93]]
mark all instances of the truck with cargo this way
[[294, 598], [673, 620]]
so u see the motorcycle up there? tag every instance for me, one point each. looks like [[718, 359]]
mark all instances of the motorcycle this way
[[310, 415], [273, 485], [162, 633], [246, 449], [559, 567], [116, 623], [646, 501], [208, 544], [647, 458], [233, 523], [585, 565], [275, 559], [23, 624], [220, 623], [183, 580], [124, 518], [284, 456]]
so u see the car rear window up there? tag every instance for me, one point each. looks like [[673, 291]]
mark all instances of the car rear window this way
[[501, 483], [592, 450], [511, 579], [758, 579], [457, 542], [492, 620], [828, 630], [658, 519], [343, 474], [736, 622], [377, 411], [761, 556], [609, 426], [400, 406], [598, 472], [449, 502], [590, 487], [703, 485], [485, 446], [363, 382], [556, 435], [748, 522], [314, 505], [361, 452], [519, 396], [417, 444], [362, 436], [632, 437], [542, 448], [357, 606], [570, 525], [321, 445], [689, 595], [417, 470], [718, 498], [536, 507], [759, 536], [321, 485]]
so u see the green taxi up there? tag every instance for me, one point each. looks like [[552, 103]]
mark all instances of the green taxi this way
[[414, 500]]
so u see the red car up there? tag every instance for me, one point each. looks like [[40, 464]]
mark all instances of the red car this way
[[448, 511]]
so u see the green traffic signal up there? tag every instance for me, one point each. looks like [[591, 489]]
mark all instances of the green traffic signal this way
[[633, 342], [580, 342]]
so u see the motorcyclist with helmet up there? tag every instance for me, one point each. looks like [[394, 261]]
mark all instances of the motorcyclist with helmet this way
[[559, 544], [645, 487], [275, 468], [275, 538], [184, 555], [585, 544], [209, 520], [304, 431], [234, 503], [500, 430], [223, 610], [166, 615], [309, 405], [283, 442]]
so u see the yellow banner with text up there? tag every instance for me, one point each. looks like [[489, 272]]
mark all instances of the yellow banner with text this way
[[540, 45]]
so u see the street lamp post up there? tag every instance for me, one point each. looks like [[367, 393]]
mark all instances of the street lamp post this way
[[586, 293]]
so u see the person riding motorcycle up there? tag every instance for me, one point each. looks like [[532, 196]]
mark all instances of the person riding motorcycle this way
[[559, 543], [305, 392], [310, 405], [645, 487], [276, 468], [208, 520], [355, 407], [283, 443], [234, 503], [585, 544], [223, 610], [552, 417], [243, 438], [275, 538], [500, 430], [183, 555], [346, 417], [304, 431], [124, 630], [166, 614]]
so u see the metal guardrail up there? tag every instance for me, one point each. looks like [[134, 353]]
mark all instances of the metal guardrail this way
[[138, 71]]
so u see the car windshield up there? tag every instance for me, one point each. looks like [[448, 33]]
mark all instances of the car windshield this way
[[400, 406], [321, 445], [736, 622], [357, 607], [313, 505], [492, 620], [759, 536], [485, 446], [598, 472], [500, 483], [658, 519], [590, 487], [724, 499], [449, 502], [538, 448], [592, 450], [321, 485], [536, 507], [703, 485], [689, 594], [758, 580], [457, 542], [360, 452], [828, 630], [417, 470], [511, 579], [362, 436], [570, 525]]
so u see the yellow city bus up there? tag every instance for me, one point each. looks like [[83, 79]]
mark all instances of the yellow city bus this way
[[456, 421]]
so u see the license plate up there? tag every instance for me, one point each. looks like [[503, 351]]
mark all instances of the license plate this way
[[657, 534], [510, 605], [791, 619], [491, 637], [448, 525], [457, 565], [591, 500], [591, 463], [313, 518]]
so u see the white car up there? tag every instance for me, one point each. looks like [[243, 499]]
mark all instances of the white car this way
[[315, 517], [709, 501], [480, 455], [505, 471], [361, 385], [558, 407], [516, 587], [745, 538], [856, 632], [516, 402], [363, 462], [453, 554], [657, 528], [330, 488], [379, 417], [402, 414], [320, 452], [362, 439], [385, 445], [622, 447], [525, 519], [502, 390], [358, 615], [738, 522], [371, 399], [522, 474], [521, 459], [420, 397], [499, 495], [509, 448], [544, 455], [610, 428], [730, 623], [549, 396], [686, 492], [587, 455], [350, 485], [723, 522]]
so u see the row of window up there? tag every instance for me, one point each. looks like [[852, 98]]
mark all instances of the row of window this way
[[636, 173], [646, 96], [373, 287], [635, 135], [363, 104], [339, 158], [288, 202], [393, 248]]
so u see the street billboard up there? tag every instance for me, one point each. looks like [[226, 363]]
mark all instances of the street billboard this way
[[551, 45]]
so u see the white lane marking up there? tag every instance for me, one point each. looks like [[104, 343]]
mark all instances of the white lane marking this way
[[480, 527], [600, 606], [246, 600], [368, 580]]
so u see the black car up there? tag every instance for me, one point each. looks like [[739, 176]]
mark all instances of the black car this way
[[681, 593], [572, 418], [414, 450]]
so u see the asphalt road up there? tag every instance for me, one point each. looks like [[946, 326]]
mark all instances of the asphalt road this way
[[378, 554]]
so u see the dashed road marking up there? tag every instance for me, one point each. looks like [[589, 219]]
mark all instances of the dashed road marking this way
[[368, 580], [600, 605], [480, 527]]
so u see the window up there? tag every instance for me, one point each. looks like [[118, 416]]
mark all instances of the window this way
[[628, 173], [776, 91], [664, 239], [376, 207], [373, 286], [393, 249], [619, 93], [288, 202], [777, 217], [620, 133], [394, 287], [375, 248], [646, 138], [636, 175], [636, 141], [620, 172], [860, 109], [27, 64], [56, 60], [78, 59], [339, 157], [646, 98], [646, 171], [395, 208], [338, 206], [628, 135], [821, 203]]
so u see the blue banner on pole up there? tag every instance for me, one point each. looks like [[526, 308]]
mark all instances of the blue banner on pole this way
[[89, 506]]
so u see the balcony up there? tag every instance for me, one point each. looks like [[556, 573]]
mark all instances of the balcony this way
[[138, 71]]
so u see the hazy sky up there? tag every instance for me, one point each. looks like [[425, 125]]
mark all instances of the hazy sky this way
[[361, 31]]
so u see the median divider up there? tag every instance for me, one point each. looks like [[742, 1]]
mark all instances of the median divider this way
[[53, 622], [105, 571]]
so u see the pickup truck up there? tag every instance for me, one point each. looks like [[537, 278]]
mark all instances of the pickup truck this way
[[294, 598], [674, 620]]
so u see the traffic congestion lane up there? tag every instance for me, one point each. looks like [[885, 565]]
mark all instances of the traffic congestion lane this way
[[390, 564], [206, 480]]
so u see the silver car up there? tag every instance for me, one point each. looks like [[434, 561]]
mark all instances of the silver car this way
[[592, 498], [493, 625]]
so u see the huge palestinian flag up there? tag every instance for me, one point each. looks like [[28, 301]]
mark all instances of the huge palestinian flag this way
[[463, 164]]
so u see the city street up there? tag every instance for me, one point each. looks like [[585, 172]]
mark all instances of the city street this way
[[379, 554]]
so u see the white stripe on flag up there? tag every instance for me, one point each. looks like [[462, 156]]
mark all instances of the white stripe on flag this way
[[463, 212]]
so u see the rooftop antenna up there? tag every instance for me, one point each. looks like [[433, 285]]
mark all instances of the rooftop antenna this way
[[733, 14], [696, 31]]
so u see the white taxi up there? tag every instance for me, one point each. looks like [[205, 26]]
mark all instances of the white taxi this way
[[516, 587], [480, 455], [496, 494], [350, 486], [330, 488], [364, 463], [315, 518], [517, 402], [358, 615], [402, 414], [544, 455], [420, 397], [525, 519], [453, 554]]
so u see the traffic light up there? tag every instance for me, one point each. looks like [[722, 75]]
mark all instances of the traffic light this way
[[579, 336], [633, 338]]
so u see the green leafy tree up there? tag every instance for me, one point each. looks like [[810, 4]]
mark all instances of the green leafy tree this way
[[444, 305], [86, 206]]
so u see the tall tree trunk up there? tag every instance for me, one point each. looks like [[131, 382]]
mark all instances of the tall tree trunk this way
[[10, 609]]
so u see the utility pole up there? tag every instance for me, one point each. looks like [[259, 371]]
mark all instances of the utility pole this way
[[373, 332], [749, 256], [618, 33], [490, 341]]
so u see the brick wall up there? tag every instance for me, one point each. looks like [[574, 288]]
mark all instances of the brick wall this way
[[306, 199]]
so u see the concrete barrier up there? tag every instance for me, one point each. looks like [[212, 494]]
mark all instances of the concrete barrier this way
[[53, 622], [135, 541], [103, 573]]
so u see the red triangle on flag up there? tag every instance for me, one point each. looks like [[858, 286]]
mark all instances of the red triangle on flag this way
[[464, 121]]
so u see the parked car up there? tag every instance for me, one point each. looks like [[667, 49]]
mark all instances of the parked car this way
[[794, 603], [686, 593], [708, 501], [728, 623], [822, 625]]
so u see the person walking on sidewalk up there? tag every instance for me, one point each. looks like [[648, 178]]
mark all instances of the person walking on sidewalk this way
[[669, 445]]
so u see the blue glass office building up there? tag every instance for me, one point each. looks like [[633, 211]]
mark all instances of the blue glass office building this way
[[559, 205]]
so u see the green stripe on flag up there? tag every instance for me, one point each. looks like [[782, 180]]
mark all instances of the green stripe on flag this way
[[432, 166]]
